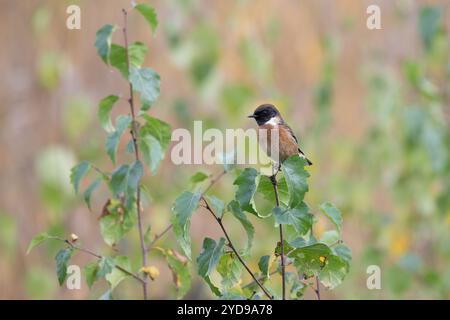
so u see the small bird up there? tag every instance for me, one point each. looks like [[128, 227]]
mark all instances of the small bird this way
[[269, 118]]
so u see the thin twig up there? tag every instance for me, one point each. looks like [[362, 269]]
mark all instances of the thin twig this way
[[230, 244], [159, 236], [136, 152], [261, 278], [214, 180], [96, 255], [273, 179], [317, 290]]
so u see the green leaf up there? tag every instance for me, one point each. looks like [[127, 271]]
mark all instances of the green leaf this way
[[247, 183], [105, 266], [429, 24], [182, 235], [334, 272], [265, 188], [210, 255], [149, 14], [297, 217], [333, 214], [184, 207], [147, 83], [198, 177], [155, 136], [135, 175], [343, 252], [88, 192], [296, 176], [103, 41], [137, 52], [217, 205], [235, 209], [230, 269], [79, 172], [181, 274], [117, 222], [158, 129], [104, 111], [90, 273], [62, 259], [152, 152], [213, 288], [329, 237], [116, 275], [119, 180], [264, 265], [308, 259], [298, 289], [37, 240], [112, 142], [118, 57]]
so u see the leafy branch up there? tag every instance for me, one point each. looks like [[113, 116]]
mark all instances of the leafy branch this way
[[273, 179], [326, 259], [230, 244], [150, 138], [133, 132]]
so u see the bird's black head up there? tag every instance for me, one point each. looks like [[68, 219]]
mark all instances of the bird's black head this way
[[264, 113]]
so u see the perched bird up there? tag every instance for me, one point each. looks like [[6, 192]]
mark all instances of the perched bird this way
[[269, 118]]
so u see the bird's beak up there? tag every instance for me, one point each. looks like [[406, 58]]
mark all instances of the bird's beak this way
[[251, 116]]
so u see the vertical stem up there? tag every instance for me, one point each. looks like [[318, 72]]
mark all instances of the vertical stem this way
[[273, 179], [317, 288], [136, 152]]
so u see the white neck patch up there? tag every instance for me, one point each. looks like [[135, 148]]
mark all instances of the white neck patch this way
[[273, 121]]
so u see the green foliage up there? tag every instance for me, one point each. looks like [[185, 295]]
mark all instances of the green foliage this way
[[153, 141], [147, 83], [104, 111], [237, 212], [62, 259], [112, 142], [103, 42], [149, 14], [247, 184], [78, 172], [328, 260], [298, 217], [37, 240], [209, 257], [333, 214], [184, 207], [150, 138]]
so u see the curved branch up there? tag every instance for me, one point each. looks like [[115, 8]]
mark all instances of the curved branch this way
[[96, 255], [230, 244]]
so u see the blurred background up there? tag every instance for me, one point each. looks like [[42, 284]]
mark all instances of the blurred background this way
[[371, 108]]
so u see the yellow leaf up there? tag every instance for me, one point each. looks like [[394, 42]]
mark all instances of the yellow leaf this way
[[151, 271]]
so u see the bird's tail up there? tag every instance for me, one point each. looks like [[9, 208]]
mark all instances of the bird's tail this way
[[301, 154]]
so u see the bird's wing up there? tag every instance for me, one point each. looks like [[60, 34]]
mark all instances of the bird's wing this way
[[296, 141]]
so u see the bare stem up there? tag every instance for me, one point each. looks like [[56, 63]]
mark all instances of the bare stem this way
[[230, 244], [214, 180], [317, 290], [273, 179], [96, 255], [136, 152], [159, 236]]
